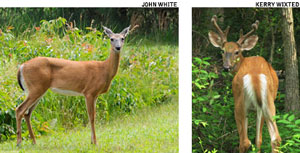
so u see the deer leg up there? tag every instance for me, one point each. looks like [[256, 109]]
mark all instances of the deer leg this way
[[30, 101], [91, 109], [27, 117], [272, 127], [259, 127], [275, 138], [242, 125]]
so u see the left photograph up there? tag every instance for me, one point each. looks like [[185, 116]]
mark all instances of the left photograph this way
[[89, 80]]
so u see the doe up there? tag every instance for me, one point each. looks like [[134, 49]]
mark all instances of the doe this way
[[254, 85], [84, 78]]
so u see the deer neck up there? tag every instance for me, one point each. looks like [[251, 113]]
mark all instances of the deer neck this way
[[113, 62], [238, 64]]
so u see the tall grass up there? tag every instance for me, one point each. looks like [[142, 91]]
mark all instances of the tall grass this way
[[148, 75], [148, 130]]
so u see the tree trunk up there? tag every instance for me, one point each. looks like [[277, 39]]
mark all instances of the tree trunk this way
[[272, 29], [291, 64]]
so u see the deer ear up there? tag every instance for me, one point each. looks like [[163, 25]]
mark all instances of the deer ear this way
[[107, 31], [125, 32], [249, 43], [215, 39]]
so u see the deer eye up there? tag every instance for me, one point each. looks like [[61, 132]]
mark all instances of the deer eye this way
[[111, 39], [122, 39], [237, 52]]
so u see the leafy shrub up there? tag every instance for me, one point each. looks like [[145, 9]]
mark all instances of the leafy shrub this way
[[291, 128], [213, 108]]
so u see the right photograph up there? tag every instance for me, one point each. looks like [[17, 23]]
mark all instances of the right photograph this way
[[245, 81]]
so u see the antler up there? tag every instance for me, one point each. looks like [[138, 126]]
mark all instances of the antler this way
[[134, 27], [221, 33], [243, 37]]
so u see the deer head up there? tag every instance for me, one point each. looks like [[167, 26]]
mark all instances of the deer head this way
[[116, 39], [232, 50]]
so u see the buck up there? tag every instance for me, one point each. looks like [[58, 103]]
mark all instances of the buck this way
[[254, 85], [84, 78]]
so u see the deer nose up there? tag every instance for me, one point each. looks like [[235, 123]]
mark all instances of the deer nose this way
[[226, 67], [118, 48]]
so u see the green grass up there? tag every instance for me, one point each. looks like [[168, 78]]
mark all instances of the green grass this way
[[152, 129]]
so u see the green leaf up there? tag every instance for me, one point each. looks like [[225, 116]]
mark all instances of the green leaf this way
[[276, 117], [297, 122], [221, 112], [203, 71], [291, 118], [206, 58], [199, 86], [204, 109], [291, 126], [202, 99], [283, 121], [216, 96], [285, 116], [204, 124], [197, 122], [296, 130], [205, 63], [297, 140]]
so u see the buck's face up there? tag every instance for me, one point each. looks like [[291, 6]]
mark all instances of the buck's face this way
[[232, 50], [116, 40], [231, 55]]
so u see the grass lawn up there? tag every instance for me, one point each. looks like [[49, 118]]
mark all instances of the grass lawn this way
[[154, 129]]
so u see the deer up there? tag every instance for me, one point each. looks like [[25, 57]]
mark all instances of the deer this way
[[74, 78], [254, 85]]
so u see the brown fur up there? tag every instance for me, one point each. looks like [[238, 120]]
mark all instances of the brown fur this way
[[80, 76], [254, 66]]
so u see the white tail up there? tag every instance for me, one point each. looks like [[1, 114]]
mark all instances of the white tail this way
[[85, 78], [254, 85]]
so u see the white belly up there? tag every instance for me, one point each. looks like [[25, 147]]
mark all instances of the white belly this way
[[66, 92]]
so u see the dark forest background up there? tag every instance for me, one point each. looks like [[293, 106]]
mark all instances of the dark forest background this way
[[161, 23]]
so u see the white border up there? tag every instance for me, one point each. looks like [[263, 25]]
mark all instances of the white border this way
[[185, 78], [232, 3], [185, 44], [185, 52], [69, 3], [78, 3]]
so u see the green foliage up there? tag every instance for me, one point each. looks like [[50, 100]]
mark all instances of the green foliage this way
[[290, 132], [211, 112], [150, 129], [142, 79], [22, 21], [9, 94]]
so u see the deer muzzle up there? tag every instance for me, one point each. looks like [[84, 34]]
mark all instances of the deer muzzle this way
[[227, 61]]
